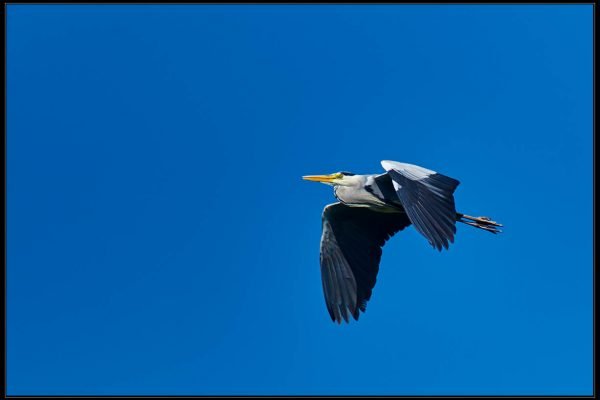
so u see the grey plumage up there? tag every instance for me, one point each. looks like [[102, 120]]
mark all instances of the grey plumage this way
[[372, 209], [350, 253], [427, 197]]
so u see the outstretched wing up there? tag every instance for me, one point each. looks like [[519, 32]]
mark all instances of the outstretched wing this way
[[427, 197], [350, 253]]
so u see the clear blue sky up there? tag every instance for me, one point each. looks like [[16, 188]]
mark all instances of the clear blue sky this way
[[161, 241]]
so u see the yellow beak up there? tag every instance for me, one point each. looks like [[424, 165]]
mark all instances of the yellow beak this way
[[320, 178]]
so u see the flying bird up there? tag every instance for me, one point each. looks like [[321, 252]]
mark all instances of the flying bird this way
[[370, 210]]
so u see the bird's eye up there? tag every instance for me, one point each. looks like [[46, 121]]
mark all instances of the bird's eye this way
[[339, 175]]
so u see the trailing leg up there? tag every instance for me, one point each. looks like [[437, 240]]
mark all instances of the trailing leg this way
[[484, 223]]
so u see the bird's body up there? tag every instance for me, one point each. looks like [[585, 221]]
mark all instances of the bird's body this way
[[371, 209]]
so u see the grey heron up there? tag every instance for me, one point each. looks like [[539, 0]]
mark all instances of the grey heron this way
[[371, 209]]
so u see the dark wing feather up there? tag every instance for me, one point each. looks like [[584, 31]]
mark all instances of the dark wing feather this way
[[350, 253], [427, 198]]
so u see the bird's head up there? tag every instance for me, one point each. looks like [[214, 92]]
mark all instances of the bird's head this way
[[337, 179]]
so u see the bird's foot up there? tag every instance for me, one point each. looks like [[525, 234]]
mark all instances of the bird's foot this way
[[482, 220], [484, 223]]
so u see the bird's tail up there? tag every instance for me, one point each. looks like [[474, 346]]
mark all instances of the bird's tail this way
[[484, 223]]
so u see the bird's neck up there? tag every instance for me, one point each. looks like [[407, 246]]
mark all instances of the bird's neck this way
[[353, 192]]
